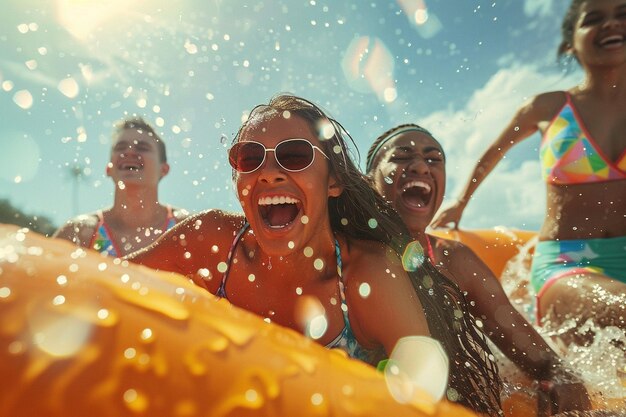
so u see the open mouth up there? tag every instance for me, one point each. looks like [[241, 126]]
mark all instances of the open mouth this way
[[130, 166], [613, 41], [416, 194], [279, 211]]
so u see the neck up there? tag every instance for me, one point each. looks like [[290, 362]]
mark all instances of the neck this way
[[605, 81], [136, 205], [421, 236]]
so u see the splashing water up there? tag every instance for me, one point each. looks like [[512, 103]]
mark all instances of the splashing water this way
[[601, 363]]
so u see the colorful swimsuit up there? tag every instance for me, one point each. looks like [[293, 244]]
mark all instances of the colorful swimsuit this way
[[345, 340], [102, 239], [569, 155]]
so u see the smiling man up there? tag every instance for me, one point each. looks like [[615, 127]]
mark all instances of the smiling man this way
[[137, 218]]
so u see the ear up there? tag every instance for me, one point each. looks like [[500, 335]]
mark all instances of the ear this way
[[108, 169], [165, 169], [334, 188]]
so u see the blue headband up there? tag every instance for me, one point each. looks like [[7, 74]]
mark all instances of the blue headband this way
[[382, 143]]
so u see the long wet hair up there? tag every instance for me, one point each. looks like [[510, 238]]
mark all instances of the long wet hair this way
[[360, 212], [567, 28]]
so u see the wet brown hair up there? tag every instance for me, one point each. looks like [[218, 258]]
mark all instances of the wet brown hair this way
[[360, 212], [567, 28]]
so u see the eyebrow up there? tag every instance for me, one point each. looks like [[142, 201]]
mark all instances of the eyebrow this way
[[412, 148]]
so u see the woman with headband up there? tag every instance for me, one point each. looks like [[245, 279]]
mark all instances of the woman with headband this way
[[407, 166]]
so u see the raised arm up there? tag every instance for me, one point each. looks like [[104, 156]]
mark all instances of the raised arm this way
[[524, 123]]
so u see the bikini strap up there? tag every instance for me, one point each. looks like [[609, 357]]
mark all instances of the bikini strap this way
[[221, 291], [342, 291], [431, 253]]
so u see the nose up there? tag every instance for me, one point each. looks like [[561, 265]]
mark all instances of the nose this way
[[270, 172], [611, 21], [418, 165]]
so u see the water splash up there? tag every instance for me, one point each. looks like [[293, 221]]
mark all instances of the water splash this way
[[601, 363]]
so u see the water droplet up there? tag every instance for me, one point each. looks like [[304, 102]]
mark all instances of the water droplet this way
[[5, 292], [317, 399], [23, 99], [308, 251], [304, 219], [413, 256], [388, 180], [135, 401], [365, 290], [69, 87], [372, 223], [318, 264], [222, 267]]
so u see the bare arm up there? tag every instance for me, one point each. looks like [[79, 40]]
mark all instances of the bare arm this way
[[510, 332], [524, 123], [385, 310], [193, 248], [382, 299], [79, 230]]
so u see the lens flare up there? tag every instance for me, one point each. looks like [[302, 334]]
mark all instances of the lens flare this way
[[368, 66]]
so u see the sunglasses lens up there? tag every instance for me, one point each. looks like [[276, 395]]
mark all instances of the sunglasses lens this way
[[246, 156], [295, 155]]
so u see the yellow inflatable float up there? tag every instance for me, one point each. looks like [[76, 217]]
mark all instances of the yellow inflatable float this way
[[85, 335], [495, 247]]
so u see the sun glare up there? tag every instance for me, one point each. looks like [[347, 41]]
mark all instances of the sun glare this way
[[83, 17]]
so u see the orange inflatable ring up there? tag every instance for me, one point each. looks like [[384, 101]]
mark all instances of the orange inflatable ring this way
[[495, 247], [87, 335]]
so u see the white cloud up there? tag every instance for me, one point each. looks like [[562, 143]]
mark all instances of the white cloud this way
[[513, 195], [538, 8]]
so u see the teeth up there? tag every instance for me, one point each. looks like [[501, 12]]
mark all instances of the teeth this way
[[268, 201], [420, 184], [612, 38], [130, 166]]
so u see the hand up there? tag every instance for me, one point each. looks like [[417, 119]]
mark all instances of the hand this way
[[558, 397], [450, 215]]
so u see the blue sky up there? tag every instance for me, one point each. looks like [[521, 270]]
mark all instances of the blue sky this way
[[70, 68]]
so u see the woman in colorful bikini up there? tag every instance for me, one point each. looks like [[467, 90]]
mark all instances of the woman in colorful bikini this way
[[407, 166], [317, 250], [137, 165], [579, 265]]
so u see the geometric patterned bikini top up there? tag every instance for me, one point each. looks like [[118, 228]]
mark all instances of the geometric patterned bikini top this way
[[569, 155], [102, 239]]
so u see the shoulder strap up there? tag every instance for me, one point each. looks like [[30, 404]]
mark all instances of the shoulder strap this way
[[221, 291]]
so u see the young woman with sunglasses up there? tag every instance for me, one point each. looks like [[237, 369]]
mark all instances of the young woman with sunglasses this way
[[319, 251]]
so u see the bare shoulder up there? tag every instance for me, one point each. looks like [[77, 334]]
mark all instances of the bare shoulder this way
[[543, 107], [180, 214], [371, 262], [212, 225], [368, 251], [461, 262], [79, 229]]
